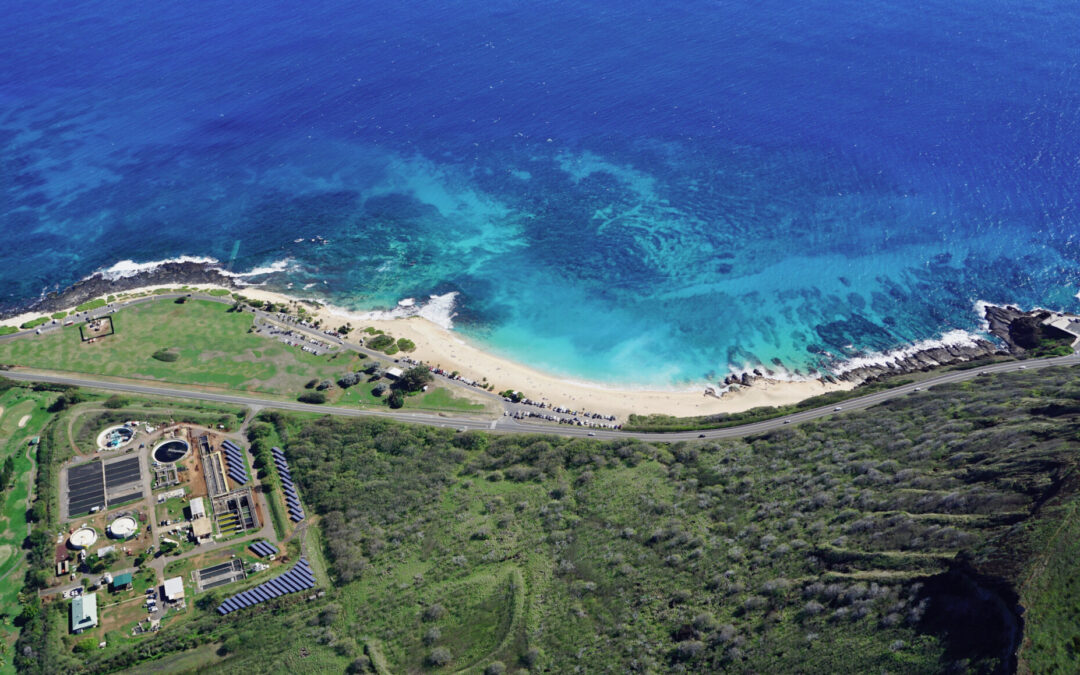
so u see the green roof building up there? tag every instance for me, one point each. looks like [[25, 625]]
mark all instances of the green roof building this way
[[83, 612], [121, 581]]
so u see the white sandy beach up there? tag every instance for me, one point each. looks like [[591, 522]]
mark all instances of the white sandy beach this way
[[440, 347]]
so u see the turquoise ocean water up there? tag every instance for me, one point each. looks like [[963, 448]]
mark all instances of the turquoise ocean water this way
[[619, 192]]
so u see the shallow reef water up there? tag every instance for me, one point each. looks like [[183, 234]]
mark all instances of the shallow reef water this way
[[620, 192]]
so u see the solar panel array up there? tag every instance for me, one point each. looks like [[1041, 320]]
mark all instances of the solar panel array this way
[[85, 487], [292, 500], [235, 459], [297, 579], [263, 548], [122, 473]]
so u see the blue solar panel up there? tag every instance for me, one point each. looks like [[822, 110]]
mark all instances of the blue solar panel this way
[[276, 585], [295, 518], [229, 444], [263, 593], [273, 549]]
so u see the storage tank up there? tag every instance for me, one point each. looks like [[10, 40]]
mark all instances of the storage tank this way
[[84, 537], [123, 527]]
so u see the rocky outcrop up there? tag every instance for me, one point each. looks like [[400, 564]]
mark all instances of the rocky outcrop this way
[[908, 361], [97, 285], [1023, 331], [1017, 330]]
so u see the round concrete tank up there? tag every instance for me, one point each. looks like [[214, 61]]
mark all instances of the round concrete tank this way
[[84, 537]]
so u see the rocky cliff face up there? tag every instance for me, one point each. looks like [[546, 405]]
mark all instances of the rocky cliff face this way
[[97, 285]]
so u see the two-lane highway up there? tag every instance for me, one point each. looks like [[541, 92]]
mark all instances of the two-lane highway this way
[[507, 424]]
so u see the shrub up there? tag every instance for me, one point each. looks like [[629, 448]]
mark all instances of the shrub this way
[[432, 635], [380, 342], [311, 384], [165, 355], [406, 345], [434, 612], [495, 668], [324, 385], [348, 379], [34, 323], [312, 397], [397, 399], [114, 402], [440, 656]]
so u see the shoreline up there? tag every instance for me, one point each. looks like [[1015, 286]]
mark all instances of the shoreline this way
[[439, 346]]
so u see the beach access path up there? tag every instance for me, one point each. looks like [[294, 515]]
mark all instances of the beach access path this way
[[509, 425]]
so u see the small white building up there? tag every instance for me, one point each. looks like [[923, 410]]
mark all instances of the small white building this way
[[197, 508], [394, 373], [174, 589]]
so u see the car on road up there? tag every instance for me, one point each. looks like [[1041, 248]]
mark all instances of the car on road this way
[[592, 433], [837, 408], [917, 389], [701, 435], [1021, 367], [787, 421]]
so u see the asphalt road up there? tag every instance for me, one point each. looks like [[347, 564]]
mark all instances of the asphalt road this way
[[507, 424]]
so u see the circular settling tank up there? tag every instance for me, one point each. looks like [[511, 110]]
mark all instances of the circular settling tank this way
[[115, 437], [123, 527], [172, 450], [84, 537]]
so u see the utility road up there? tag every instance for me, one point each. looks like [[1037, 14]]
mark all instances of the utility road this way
[[508, 424]]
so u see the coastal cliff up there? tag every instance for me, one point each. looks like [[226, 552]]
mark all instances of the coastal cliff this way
[[98, 284]]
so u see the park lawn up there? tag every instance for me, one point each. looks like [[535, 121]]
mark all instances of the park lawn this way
[[441, 398], [213, 344]]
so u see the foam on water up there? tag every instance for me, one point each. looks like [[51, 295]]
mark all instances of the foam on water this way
[[129, 268]]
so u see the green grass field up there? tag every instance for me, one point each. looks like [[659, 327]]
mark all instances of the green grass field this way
[[17, 403], [214, 348]]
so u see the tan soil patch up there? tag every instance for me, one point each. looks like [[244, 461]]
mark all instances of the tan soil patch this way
[[23, 421]]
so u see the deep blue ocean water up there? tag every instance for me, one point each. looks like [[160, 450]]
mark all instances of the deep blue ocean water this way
[[618, 191]]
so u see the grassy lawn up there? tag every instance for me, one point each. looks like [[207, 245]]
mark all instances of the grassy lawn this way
[[213, 345], [443, 399], [213, 348], [171, 509]]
